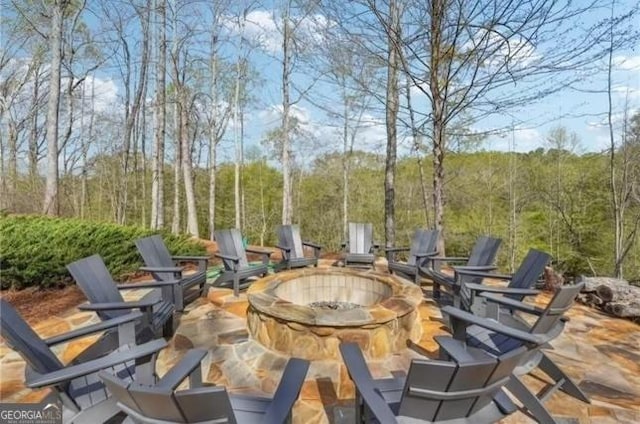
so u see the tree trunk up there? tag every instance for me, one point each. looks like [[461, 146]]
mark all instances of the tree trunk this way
[[33, 132], [236, 127], [287, 193], [175, 222], [415, 135], [213, 138], [160, 121], [189, 192], [438, 121], [51, 204], [392, 106], [346, 159], [12, 147]]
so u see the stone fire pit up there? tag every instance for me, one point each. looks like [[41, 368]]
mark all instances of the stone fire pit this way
[[307, 313]]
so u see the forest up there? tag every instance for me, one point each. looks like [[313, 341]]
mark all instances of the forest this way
[[194, 115]]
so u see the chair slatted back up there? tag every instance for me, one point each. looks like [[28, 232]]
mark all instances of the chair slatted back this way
[[423, 241], [360, 238], [230, 243], [484, 252], [21, 338], [529, 271], [289, 236], [155, 253], [210, 404], [560, 303], [94, 279], [439, 390]]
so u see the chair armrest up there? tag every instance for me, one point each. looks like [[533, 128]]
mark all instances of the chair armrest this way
[[259, 251], [476, 267], [161, 268], [365, 385], [311, 244], [460, 320], [512, 304], [395, 249], [190, 258], [115, 306], [450, 258], [285, 248], [182, 369], [227, 257], [94, 328], [502, 290], [147, 285], [426, 254], [114, 358], [483, 274], [287, 392]]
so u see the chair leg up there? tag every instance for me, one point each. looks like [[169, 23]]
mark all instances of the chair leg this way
[[529, 401], [178, 297], [553, 371], [167, 328], [236, 285]]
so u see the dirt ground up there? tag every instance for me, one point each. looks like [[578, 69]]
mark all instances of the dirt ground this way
[[35, 304]]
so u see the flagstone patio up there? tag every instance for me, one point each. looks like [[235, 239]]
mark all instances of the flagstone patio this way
[[599, 352]]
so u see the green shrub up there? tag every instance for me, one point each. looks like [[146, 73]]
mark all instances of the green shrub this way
[[34, 250]]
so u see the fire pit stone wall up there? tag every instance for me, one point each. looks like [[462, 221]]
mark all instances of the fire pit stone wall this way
[[307, 313]]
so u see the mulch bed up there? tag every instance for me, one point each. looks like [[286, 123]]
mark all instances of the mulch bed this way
[[36, 305]]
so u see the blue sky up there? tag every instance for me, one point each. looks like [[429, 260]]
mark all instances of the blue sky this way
[[581, 111]]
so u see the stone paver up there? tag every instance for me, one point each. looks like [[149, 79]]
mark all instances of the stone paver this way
[[601, 353]]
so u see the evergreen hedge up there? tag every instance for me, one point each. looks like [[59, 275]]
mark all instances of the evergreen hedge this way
[[34, 250]]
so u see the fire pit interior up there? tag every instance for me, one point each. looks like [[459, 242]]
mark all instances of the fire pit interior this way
[[308, 312]]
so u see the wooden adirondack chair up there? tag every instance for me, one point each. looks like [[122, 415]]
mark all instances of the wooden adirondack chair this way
[[83, 396], [434, 391], [292, 247], [520, 284], [163, 266], [160, 403], [237, 269], [95, 281], [359, 249], [481, 258], [510, 332], [423, 245]]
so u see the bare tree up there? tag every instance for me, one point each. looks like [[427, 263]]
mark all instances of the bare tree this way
[[51, 204], [160, 121]]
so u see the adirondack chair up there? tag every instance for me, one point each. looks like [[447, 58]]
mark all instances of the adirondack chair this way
[[510, 332], [481, 258], [435, 391], [160, 403], [105, 299], [423, 245], [292, 247], [83, 396], [360, 246], [520, 284], [163, 267], [237, 269]]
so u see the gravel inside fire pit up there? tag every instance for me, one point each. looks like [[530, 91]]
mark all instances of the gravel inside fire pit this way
[[327, 304]]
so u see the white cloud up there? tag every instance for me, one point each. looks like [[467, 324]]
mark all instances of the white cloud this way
[[263, 28], [627, 63], [105, 92]]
